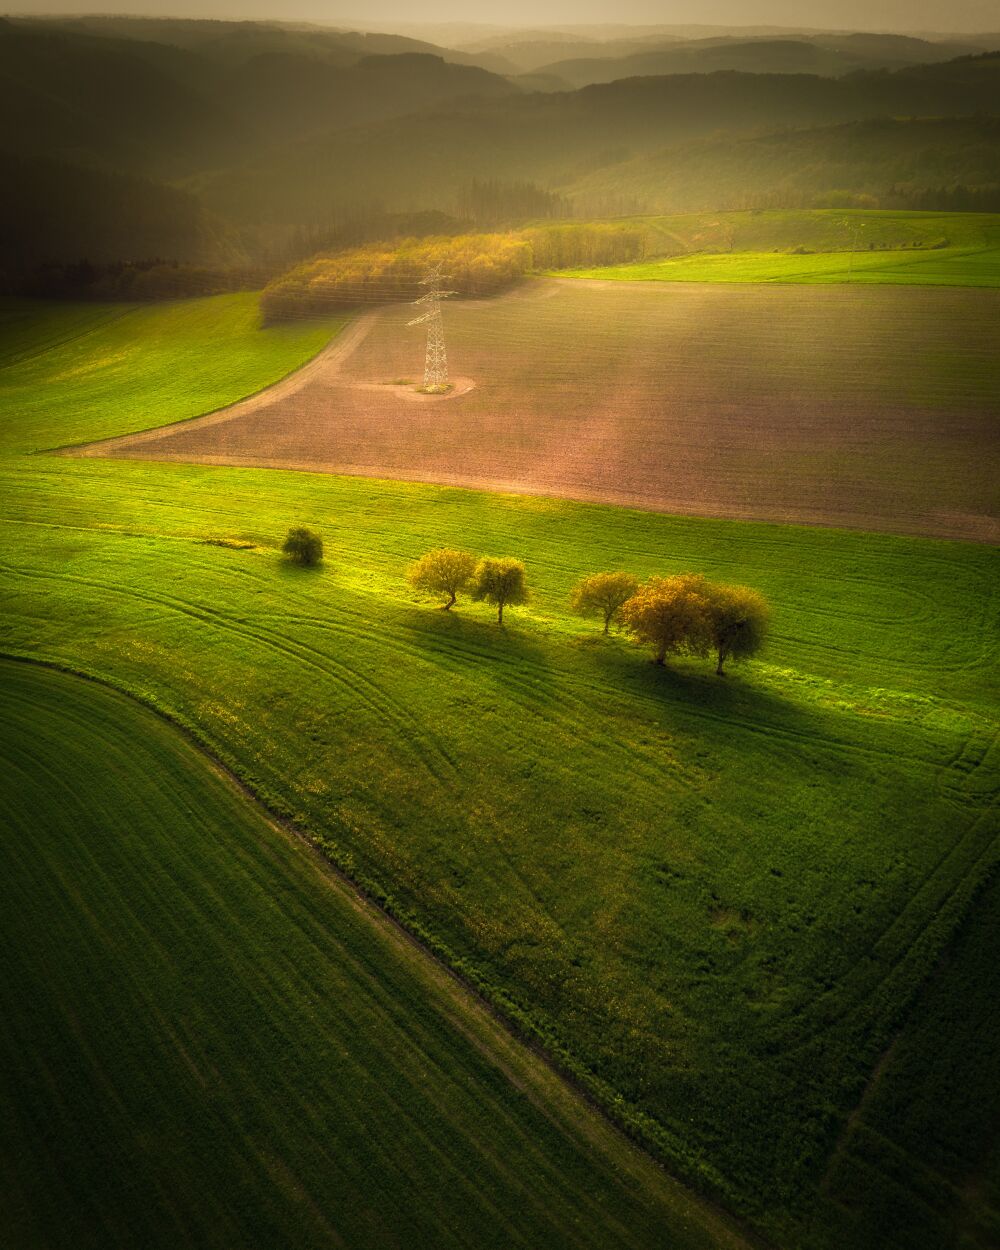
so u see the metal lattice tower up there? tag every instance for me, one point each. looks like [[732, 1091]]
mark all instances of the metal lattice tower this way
[[436, 362]]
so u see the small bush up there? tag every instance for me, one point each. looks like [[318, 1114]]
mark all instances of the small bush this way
[[303, 546]]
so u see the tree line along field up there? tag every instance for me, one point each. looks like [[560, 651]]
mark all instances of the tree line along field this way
[[870, 407], [226, 1047], [714, 902]]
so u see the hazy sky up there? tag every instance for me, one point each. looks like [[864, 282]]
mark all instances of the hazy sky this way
[[911, 15]]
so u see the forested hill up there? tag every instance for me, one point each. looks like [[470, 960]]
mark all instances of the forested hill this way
[[828, 55], [686, 50], [52, 211], [233, 42], [559, 139], [169, 111], [213, 140], [887, 162]]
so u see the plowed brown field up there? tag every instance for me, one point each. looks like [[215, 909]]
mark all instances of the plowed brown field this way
[[870, 407]]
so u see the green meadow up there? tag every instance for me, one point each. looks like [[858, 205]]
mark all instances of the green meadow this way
[[115, 366], [245, 1053], [714, 902], [818, 246]]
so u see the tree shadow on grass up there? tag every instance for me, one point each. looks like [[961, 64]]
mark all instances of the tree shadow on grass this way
[[463, 639], [688, 688], [613, 676], [305, 573]]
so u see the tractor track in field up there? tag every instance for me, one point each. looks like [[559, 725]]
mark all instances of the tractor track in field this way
[[984, 859], [365, 690], [379, 910]]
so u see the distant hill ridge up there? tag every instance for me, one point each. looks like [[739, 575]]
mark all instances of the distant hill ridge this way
[[825, 55], [265, 130], [560, 140]]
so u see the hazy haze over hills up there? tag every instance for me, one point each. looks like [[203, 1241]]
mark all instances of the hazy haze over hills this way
[[270, 140], [900, 15]]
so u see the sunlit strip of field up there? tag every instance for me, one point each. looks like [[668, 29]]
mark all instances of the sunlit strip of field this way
[[130, 367], [944, 267]]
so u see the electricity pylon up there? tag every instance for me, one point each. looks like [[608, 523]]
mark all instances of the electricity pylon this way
[[436, 362]]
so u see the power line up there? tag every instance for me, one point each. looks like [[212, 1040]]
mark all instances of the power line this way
[[436, 360]]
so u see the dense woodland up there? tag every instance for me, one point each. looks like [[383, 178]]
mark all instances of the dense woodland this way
[[475, 264], [233, 151]]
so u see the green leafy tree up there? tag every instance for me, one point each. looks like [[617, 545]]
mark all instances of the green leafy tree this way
[[303, 546], [499, 581], [671, 614], [443, 571], [603, 594], [739, 619]]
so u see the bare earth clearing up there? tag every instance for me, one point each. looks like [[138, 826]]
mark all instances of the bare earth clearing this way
[[869, 407]]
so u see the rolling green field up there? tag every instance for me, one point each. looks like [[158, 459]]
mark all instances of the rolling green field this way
[[226, 1047], [714, 902], [946, 1057], [921, 249], [117, 364]]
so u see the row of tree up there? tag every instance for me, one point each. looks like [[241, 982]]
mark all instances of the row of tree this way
[[134, 281], [447, 573], [685, 613], [476, 265]]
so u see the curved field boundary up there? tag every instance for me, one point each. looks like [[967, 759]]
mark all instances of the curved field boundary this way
[[325, 364], [867, 408], [659, 1205]]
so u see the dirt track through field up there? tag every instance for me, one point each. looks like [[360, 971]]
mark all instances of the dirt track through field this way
[[869, 407]]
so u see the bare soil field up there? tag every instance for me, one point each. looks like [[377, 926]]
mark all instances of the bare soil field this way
[[864, 407]]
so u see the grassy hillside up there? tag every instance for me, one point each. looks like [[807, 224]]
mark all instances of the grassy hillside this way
[[821, 245], [226, 1048], [713, 900], [117, 365], [816, 230], [944, 267]]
